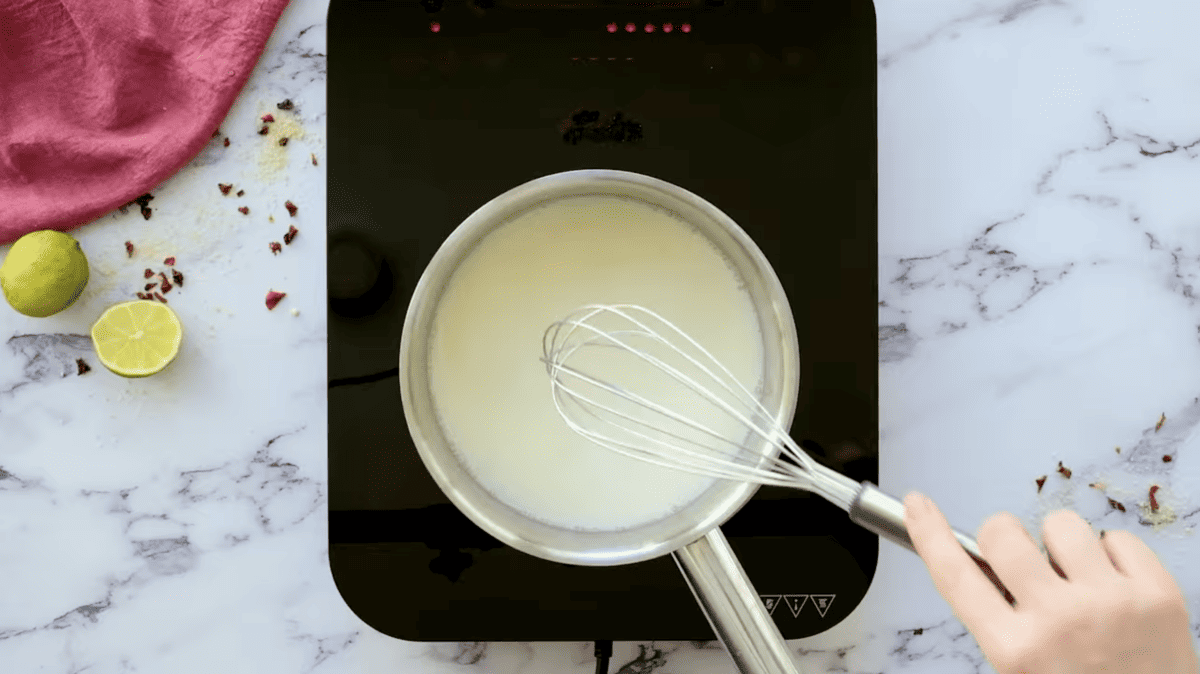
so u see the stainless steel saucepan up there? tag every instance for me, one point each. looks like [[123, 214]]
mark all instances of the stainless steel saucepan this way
[[691, 535]]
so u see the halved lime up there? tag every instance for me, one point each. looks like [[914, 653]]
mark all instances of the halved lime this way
[[138, 338]]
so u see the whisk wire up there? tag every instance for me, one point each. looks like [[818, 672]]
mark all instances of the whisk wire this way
[[704, 465], [557, 349]]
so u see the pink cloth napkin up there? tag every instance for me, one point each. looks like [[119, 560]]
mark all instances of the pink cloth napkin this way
[[102, 100]]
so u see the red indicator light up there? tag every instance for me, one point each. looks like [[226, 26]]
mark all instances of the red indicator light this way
[[612, 27], [649, 28], [667, 28], [687, 28], [435, 27], [629, 28]]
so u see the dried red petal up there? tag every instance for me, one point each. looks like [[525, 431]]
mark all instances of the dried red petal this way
[[151, 285], [241, 192], [143, 200], [177, 277], [314, 159], [283, 141], [170, 262], [143, 296], [291, 208], [1115, 504], [268, 118], [160, 298], [1066, 472], [273, 299], [1153, 501], [226, 142], [148, 273], [1041, 481], [291, 234], [216, 133], [275, 247], [1166, 458], [245, 210], [225, 188], [129, 248], [263, 131], [285, 105], [166, 286], [83, 367], [146, 212]]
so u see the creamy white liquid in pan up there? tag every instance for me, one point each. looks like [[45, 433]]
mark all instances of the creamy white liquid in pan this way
[[493, 394]]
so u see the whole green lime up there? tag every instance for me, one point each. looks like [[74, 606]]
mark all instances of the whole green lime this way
[[44, 273]]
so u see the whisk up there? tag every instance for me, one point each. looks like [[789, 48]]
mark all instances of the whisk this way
[[665, 399]]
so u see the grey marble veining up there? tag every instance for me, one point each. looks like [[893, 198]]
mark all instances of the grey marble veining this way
[[1039, 280]]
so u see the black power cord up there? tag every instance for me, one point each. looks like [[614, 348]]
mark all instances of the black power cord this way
[[603, 653]]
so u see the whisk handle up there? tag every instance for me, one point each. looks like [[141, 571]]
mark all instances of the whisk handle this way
[[882, 514]]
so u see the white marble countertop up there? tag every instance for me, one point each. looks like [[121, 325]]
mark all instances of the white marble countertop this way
[[1039, 265]]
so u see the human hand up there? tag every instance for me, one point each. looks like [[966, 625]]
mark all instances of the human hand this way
[[1116, 611]]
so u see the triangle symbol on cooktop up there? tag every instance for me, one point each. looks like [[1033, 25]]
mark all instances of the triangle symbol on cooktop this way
[[795, 602], [822, 602], [770, 601]]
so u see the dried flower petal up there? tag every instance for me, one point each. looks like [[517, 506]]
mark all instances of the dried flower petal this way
[[1166, 458], [291, 234], [83, 367], [144, 296], [245, 210], [285, 105], [170, 262], [1115, 504], [226, 142], [1153, 501], [241, 192], [1066, 472], [216, 133], [148, 273], [1161, 420], [314, 159], [268, 118], [129, 248], [275, 247], [283, 141], [177, 277], [166, 286], [143, 200], [146, 212], [1041, 481], [160, 298], [263, 131], [225, 187], [291, 208], [151, 285], [273, 299]]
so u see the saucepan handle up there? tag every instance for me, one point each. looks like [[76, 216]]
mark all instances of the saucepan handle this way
[[882, 514], [733, 607]]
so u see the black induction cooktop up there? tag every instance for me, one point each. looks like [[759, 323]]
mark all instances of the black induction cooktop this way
[[766, 109]]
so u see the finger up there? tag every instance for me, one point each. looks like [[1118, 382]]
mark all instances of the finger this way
[[1015, 558], [961, 583], [1076, 548], [1133, 558]]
